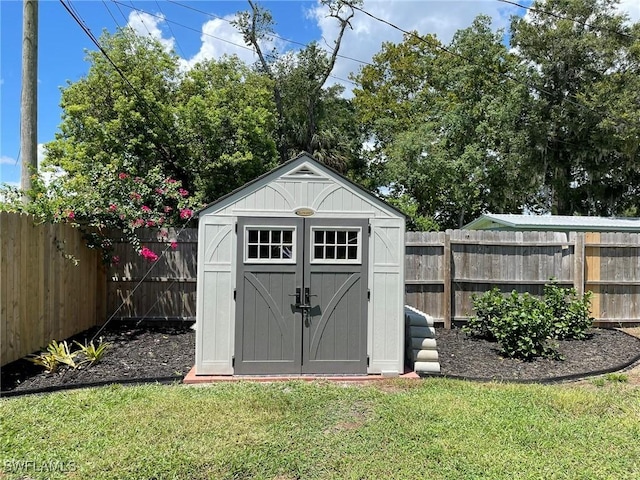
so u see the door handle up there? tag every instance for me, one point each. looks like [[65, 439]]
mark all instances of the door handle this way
[[307, 296], [297, 295]]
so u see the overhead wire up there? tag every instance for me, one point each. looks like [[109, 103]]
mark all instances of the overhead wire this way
[[436, 44], [76, 17], [562, 17]]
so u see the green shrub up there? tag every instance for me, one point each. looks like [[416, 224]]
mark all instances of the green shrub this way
[[523, 331], [488, 307], [570, 313]]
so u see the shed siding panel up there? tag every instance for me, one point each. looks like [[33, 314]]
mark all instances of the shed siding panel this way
[[215, 296], [387, 295]]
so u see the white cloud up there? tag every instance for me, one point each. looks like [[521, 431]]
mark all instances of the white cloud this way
[[631, 8], [220, 38], [6, 160], [145, 24]]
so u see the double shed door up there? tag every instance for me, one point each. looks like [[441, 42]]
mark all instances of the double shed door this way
[[301, 297]]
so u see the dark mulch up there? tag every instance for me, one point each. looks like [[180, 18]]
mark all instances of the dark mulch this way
[[604, 350], [160, 352], [136, 352]]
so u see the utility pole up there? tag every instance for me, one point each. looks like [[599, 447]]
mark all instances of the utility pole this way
[[29, 98]]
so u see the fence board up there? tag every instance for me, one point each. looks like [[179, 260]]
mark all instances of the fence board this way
[[165, 289], [441, 285], [44, 296]]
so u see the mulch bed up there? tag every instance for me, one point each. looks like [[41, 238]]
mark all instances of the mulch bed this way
[[162, 352], [605, 350], [136, 353]]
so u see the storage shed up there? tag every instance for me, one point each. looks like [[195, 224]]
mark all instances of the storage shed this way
[[300, 272]]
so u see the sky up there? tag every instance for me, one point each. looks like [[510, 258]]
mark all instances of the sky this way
[[198, 30]]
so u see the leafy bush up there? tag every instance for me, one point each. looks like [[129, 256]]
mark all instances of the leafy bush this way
[[524, 325], [488, 307], [570, 313], [523, 330]]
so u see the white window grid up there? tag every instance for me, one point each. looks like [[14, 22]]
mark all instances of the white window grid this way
[[269, 244], [336, 245]]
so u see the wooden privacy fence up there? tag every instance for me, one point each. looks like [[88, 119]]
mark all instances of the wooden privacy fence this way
[[51, 285], [444, 269], [164, 289]]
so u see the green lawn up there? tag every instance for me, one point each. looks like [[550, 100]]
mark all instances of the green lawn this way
[[435, 428]]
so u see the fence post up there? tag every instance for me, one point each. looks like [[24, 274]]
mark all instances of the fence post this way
[[446, 304]]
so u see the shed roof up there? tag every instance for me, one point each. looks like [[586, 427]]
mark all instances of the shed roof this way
[[493, 221], [291, 165]]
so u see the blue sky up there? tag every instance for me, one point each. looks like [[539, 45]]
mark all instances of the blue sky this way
[[198, 30]]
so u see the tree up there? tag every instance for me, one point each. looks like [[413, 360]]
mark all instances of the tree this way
[[446, 123], [584, 76], [210, 128], [310, 117]]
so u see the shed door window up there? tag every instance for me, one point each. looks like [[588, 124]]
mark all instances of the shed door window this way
[[269, 245], [336, 245]]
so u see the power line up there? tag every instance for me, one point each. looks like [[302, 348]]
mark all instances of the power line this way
[[436, 44], [245, 47], [575, 20], [173, 35], [288, 40]]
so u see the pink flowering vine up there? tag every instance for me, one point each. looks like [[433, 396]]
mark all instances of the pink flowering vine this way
[[185, 213], [148, 254], [113, 207], [145, 209], [174, 245], [183, 192], [122, 176]]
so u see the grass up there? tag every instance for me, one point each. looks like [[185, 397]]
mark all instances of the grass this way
[[436, 428]]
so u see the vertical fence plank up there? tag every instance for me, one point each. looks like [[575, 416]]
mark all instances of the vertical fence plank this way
[[447, 280], [593, 263], [579, 259]]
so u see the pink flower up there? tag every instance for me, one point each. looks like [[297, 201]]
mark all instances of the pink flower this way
[[71, 215], [160, 220], [115, 260], [171, 180], [135, 196], [138, 222], [185, 213], [159, 191], [137, 180], [148, 254], [145, 209], [163, 234], [122, 176], [151, 223], [174, 245], [113, 207], [183, 192], [167, 209]]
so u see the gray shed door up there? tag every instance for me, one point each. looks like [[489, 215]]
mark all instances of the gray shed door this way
[[301, 297]]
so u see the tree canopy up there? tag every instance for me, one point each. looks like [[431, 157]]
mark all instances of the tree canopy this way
[[544, 119]]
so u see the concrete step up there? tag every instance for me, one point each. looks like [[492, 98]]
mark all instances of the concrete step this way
[[427, 367]]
